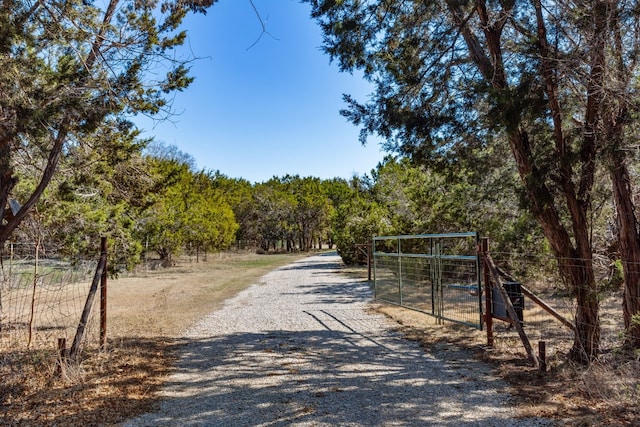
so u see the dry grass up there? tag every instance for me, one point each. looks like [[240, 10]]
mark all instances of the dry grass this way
[[148, 312], [166, 302], [604, 394]]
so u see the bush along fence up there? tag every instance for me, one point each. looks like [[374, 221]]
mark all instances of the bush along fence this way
[[46, 304], [519, 300]]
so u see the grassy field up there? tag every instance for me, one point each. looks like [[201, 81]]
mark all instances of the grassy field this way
[[167, 301]]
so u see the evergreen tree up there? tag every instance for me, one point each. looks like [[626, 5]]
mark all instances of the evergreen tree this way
[[553, 80], [72, 67]]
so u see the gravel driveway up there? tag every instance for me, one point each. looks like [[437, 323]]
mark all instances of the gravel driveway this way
[[302, 349]]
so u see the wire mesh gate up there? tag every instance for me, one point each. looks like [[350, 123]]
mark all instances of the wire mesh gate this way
[[437, 274]]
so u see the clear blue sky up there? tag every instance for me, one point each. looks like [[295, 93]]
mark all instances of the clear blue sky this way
[[266, 110]]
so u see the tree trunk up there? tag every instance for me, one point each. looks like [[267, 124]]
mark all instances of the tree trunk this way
[[163, 253], [574, 262], [579, 275], [629, 250], [7, 181]]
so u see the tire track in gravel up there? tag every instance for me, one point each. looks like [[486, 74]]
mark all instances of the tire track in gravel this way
[[302, 349]]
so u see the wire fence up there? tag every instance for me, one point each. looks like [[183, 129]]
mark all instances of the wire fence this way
[[539, 274], [42, 298], [438, 275], [444, 288], [432, 273]]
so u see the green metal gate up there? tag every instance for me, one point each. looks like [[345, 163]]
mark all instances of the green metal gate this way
[[437, 274]]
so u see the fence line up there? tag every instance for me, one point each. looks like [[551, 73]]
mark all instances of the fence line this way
[[404, 278], [539, 275], [41, 299]]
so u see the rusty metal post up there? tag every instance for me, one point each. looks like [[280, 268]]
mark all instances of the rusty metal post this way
[[542, 356], [103, 296], [369, 248], [488, 316]]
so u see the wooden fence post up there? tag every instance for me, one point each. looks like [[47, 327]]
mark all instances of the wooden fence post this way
[[61, 368], [513, 317], [542, 356], [75, 347]]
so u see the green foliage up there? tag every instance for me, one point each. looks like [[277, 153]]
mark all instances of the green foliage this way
[[457, 199], [455, 80], [73, 69], [96, 195], [185, 210], [355, 223], [288, 213], [238, 193], [616, 277]]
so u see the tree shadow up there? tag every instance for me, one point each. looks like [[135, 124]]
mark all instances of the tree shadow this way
[[341, 369], [324, 377]]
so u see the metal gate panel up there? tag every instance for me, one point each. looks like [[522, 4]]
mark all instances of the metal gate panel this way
[[437, 274]]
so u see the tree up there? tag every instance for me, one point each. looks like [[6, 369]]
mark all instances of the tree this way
[[462, 198], [186, 209], [312, 209], [553, 80], [356, 222], [71, 67], [97, 191], [338, 191], [210, 223], [273, 214], [238, 194]]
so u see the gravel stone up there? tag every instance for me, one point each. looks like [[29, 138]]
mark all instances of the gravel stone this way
[[302, 349]]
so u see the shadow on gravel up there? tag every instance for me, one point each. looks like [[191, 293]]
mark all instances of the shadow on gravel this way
[[322, 377], [312, 263], [330, 293], [331, 366], [320, 269]]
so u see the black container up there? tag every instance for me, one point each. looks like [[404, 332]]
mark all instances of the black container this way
[[514, 291]]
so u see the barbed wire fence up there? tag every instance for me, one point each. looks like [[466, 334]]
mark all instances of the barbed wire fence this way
[[42, 297]]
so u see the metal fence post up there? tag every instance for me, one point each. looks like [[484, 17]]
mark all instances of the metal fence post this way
[[375, 260], [399, 272], [488, 317], [103, 296], [369, 259]]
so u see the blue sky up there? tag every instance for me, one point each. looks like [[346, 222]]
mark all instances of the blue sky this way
[[265, 110]]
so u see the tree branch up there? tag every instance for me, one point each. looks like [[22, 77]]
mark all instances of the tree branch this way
[[262, 24]]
